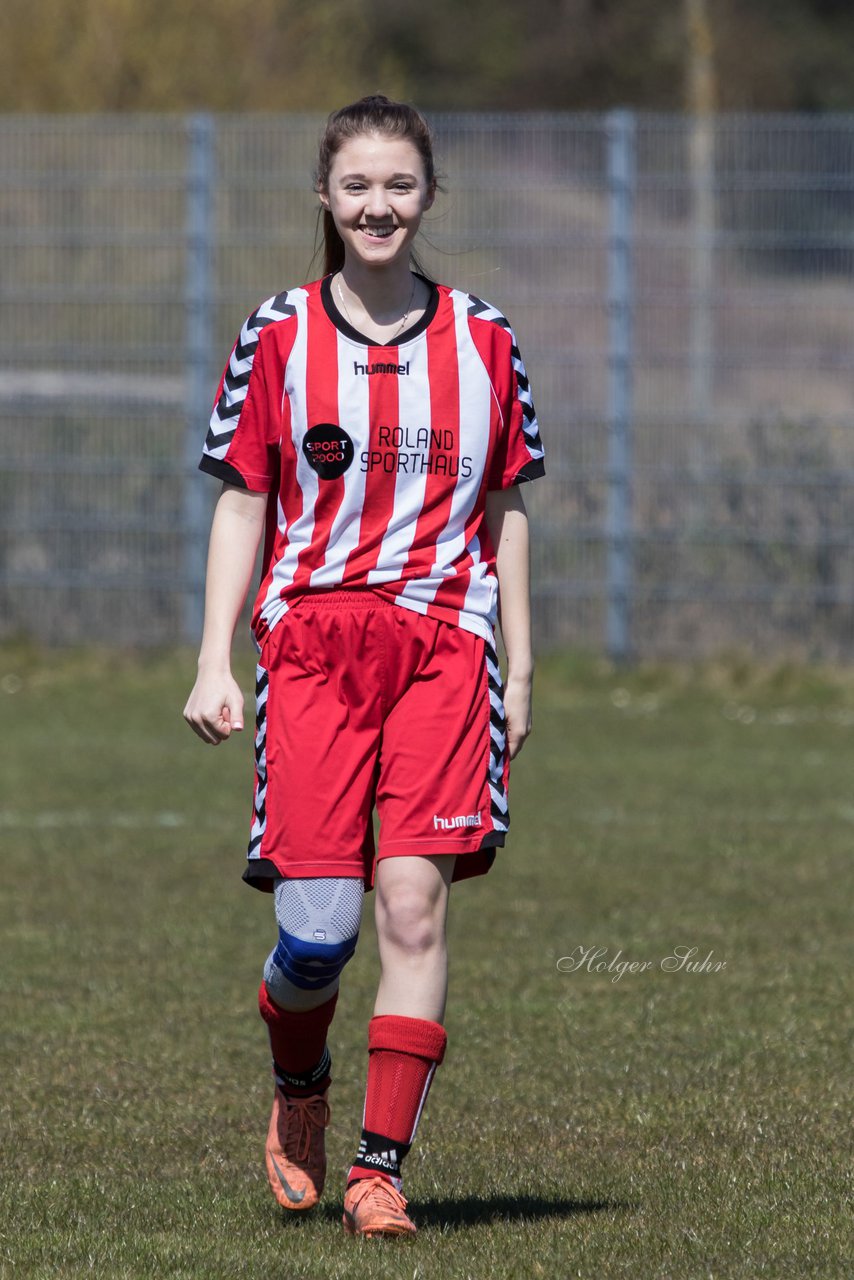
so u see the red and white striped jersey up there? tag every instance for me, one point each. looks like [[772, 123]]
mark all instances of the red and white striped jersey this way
[[377, 459]]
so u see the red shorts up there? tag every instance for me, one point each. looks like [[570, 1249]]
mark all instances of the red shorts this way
[[363, 703]]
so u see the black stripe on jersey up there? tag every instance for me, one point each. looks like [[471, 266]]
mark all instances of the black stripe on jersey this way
[[259, 825], [498, 807], [223, 471], [223, 438], [236, 380], [240, 380], [485, 311], [261, 874], [224, 410], [531, 471], [281, 305], [241, 349]]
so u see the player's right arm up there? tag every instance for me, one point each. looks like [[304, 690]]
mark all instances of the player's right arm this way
[[215, 706]]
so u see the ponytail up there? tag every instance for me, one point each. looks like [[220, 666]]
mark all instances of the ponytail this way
[[333, 245]]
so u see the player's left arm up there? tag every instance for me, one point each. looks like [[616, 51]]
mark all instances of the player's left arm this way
[[507, 521]]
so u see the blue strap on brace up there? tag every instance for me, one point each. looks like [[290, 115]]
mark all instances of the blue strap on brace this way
[[312, 964]]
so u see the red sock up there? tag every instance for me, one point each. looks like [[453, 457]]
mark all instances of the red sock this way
[[403, 1054], [301, 1059]]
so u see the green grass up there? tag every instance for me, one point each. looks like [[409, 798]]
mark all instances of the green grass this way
[[664, 1124]]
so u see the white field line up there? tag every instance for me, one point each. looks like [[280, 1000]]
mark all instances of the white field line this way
[[91, 384], [59, 819], [11, 819]]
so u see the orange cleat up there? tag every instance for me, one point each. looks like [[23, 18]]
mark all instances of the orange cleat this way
[[372, 1207], [296, 1149]]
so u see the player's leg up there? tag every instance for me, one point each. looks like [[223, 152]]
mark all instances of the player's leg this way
[[410, 911], [315, 765], [442, 802], [318, 923], [406, 1039]]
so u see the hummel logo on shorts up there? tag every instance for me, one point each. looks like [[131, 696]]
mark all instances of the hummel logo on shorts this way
[[462, 820]]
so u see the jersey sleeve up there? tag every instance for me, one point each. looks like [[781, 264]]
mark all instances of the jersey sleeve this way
[[242, 443], [519, 453]]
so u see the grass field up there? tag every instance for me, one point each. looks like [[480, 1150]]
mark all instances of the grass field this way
[[655, 1123]]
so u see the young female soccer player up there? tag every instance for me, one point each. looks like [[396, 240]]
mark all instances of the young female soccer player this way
[[373, 428]]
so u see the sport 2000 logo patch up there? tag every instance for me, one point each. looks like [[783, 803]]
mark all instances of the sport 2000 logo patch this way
[[328, 450]]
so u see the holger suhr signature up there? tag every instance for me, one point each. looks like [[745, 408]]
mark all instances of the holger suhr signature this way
[[595, 960]]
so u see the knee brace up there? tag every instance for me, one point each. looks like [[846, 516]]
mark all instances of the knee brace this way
[[318, 920], [311, 964]]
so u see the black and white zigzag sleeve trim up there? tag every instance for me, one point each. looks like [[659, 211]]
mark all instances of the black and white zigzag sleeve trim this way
[[226, 413], [484, 311]]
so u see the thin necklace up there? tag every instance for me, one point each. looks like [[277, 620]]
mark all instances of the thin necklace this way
[[399, 328]]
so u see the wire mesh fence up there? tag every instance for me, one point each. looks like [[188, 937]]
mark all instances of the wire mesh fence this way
[[681, 291]]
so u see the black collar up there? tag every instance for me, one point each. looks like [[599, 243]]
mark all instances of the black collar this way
[[343, 325]]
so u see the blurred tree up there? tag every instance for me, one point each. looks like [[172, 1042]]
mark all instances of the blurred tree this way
[[243, 55], [117, 55], [785, 54]]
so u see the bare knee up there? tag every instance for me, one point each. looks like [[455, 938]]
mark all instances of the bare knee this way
[[409, 919]]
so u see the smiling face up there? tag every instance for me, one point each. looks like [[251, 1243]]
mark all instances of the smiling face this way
[[377, 193]]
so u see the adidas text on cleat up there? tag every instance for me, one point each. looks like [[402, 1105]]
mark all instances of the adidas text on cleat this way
[[372, 1207], [296, 1149]]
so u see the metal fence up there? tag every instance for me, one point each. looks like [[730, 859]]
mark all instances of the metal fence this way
[[681, 290]]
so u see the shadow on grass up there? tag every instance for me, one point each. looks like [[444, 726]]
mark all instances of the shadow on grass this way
[[466, 1210], [470, 1209]]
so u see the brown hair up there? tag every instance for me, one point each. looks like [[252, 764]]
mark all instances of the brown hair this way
[[373, 114]]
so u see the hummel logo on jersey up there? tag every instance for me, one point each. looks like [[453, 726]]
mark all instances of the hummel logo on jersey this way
[[379, 367], [462, 820]]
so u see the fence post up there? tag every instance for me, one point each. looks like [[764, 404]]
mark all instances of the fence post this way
[[701, 160], [620, 131], [198, 393]]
